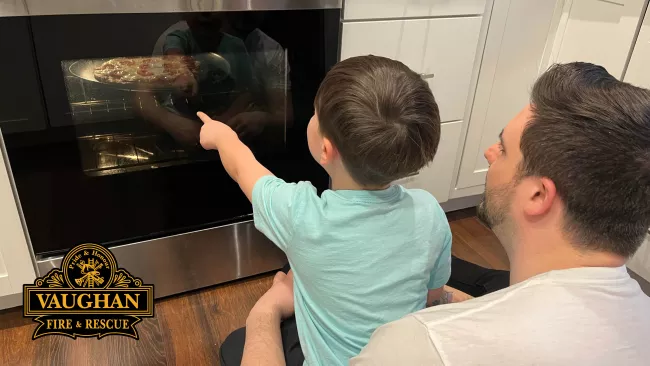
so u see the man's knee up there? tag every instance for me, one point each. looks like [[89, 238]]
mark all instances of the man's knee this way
[[232, 348]]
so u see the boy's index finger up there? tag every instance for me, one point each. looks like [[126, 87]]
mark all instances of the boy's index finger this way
[[204, 117]]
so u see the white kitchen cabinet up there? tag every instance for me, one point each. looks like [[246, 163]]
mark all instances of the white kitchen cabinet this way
[[16, 266], [381, 9], [511, 63], [437, 177], [637, 70], [597, 31], [13, 8], [442, 49]]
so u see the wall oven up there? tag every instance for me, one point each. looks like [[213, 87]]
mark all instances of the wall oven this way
[[98, 116]]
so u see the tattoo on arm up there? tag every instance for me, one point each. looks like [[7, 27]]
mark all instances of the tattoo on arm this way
[[444, 299]]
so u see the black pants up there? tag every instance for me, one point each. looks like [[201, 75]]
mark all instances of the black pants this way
[[476, 280], [465, 276]]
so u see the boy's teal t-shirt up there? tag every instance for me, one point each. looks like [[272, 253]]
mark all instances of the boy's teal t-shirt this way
[[360, 259]]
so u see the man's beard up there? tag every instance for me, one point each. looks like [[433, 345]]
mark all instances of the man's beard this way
[[493, 209]]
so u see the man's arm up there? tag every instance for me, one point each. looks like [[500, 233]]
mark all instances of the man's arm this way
[[446, 295], [263, 345], [437, 296], [263, 339], [237, 158], [457, 295]]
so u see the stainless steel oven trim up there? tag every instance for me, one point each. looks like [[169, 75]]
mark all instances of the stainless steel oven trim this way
[[63, 7], [194, 260]]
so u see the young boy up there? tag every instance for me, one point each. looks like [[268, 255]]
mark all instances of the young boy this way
[[365, 252]]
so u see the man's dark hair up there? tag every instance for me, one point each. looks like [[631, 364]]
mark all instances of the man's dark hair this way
[[381, 116], [590, 134]]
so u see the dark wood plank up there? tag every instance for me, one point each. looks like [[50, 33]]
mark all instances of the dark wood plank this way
[[150, 349], [196, 324], [183, 322], [10, 318], [229, 305], [16, 345], [60, 350], [461, 214], [476, 243], [463, 251]]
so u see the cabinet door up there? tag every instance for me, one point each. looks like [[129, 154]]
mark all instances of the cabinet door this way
[[16, 267], [442, 50], [378, 9], [511, 62], [437, 177], [597, 31]]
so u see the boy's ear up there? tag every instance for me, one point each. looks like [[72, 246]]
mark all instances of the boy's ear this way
[[328, 152]]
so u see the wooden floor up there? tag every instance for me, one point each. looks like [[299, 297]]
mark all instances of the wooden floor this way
[[188, 329]]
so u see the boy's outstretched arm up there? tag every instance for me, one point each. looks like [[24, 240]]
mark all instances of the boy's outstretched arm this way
[[237, 158]]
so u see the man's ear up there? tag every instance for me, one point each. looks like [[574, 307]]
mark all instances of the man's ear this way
[[540, 194], [328, 152]]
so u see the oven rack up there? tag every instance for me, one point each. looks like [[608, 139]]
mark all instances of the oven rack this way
[[93, 105], [107, 154]]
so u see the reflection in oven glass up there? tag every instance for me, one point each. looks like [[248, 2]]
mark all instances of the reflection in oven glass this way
[[113, 154], [135, 113]]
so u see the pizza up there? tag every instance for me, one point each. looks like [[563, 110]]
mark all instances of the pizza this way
[[154, 71]]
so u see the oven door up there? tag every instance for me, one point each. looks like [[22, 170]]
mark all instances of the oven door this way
[[115, 159]]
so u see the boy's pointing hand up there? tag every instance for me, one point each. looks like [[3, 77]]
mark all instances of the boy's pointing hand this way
[[214, 133]]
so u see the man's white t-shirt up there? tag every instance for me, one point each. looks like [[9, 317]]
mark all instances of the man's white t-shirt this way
[[580, 316]]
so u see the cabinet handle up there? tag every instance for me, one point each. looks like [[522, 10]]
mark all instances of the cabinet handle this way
[[427, 76]]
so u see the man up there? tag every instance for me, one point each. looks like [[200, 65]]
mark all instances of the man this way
[[568, 195]]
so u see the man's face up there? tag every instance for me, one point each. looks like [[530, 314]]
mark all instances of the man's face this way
[[501, 181]]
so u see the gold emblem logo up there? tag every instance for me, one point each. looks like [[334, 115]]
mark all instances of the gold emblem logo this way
[[88, 297]]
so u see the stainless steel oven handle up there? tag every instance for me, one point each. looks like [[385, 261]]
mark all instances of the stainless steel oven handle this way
[[59, 7]]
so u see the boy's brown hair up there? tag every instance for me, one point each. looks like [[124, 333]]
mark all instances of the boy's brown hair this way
[[381, 116]]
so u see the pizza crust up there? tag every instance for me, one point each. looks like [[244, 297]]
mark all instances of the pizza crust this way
[[154, 71]]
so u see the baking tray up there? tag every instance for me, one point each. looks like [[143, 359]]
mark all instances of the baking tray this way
[[208, 63]]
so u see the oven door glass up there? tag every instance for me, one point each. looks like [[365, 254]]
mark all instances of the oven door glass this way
[[115, 159]]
